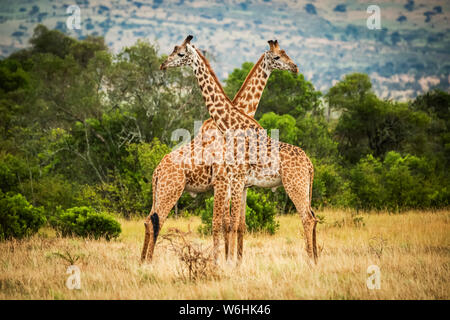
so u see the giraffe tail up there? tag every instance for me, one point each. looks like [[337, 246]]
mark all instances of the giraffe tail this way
[[155, 222], [154, 218]]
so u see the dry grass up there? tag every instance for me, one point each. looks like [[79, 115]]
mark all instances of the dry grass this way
[[197, 262], [411, 249]]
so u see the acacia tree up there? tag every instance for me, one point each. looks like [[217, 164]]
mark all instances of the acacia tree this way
[[368, 125]]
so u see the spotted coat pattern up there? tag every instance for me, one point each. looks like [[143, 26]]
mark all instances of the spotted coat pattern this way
[[198, 172]]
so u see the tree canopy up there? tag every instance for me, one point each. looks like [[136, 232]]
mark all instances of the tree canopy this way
[[81, 126]]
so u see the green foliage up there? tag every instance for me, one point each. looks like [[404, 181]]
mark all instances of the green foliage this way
[[288, 132], [206, 215], [260, 213], [436, 104], [368, 125], [12, 76], [52, 191], [397, 183], [329, 187], [13, 170], [18, 218], [366, 184], [86, 222], [50, 41], [81, 126], [129, 191], [315, 137], [259, 216]]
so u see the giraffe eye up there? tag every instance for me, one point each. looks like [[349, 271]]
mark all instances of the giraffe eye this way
[[181, 54], [277, 57]]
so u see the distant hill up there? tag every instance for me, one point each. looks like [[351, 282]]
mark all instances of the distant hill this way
[[327, 39]]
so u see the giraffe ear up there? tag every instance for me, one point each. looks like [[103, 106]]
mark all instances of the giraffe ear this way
[[188, 39]]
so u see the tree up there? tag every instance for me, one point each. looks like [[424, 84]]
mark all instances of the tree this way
[[285, 124], [368, 125], [50, 41], [436, 104], [157, 102]]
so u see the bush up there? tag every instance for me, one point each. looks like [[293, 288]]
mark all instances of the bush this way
[[329, 187], [366, 184], [206, 215], [129, 190], [259, 216], [397, 183], [260, 213], [52, 191], [13, 170], [18, 218], [86, 222]]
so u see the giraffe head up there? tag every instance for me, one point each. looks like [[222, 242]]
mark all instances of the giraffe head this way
[[183, 55], [278, 59]]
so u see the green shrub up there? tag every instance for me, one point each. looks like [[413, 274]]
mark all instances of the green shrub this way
[[52, 191], [329, 187], [397, 183], [366, 184], [86, 222], [18, 218], [206, 215], [13, 170], [259, 216], [128, 190]]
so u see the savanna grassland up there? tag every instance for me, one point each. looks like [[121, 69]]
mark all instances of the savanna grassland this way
[[412, 250]]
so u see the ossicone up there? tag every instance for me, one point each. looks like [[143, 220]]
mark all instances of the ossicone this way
[[188, 39]]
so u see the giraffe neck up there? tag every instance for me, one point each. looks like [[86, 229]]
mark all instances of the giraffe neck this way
[[248, 96], [219, 106]]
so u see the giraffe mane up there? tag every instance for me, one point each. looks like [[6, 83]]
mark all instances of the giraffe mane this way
[[247, 79], [221, 89], [212, 73]]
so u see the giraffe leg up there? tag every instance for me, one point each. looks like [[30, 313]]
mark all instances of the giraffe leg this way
[[170, 186], [220, 221], [296, 185], [242, 227], [226, 226], [152, 226], [314, 237], [237, 190]]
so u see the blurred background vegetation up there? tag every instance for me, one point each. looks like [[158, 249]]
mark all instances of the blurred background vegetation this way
[[81, 126]]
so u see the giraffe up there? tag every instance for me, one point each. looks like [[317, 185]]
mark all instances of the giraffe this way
[[171, 176], [296, 169]]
